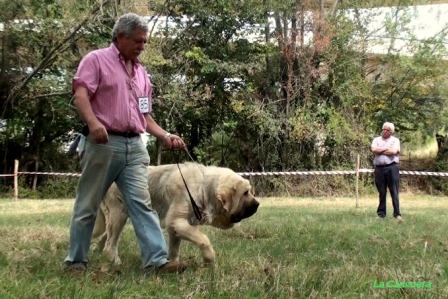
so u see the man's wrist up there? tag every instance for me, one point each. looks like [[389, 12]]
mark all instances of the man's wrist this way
[[165, 137]]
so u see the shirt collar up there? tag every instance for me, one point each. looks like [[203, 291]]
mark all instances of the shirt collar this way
[[117, 53]]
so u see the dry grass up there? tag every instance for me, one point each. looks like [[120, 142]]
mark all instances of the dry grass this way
[[370, 203], [36, 207], [292, 248]]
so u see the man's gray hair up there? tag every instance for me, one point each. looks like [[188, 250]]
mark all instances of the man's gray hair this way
[[390, 126], [127, 24]]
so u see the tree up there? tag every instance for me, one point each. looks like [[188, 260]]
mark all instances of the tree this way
[[41, 44]]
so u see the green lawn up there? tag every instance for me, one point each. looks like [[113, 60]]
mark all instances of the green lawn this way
[[292, 248]]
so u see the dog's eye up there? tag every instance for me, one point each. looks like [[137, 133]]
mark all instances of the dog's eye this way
[[246, 193]]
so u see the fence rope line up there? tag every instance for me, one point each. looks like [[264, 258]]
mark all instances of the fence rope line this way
[[340, 172], [50, 173], [6, 175], [265, 174]]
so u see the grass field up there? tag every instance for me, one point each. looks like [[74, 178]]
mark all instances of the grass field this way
[[292, 248]]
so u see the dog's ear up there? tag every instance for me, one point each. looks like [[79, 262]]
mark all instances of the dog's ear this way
[[225, 198]]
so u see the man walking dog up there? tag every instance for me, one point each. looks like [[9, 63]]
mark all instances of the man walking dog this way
[[113, 97]]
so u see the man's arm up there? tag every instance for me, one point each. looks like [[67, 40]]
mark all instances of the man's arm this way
[[169, 140], [384, 151], [378, 150], [82, 104], [391, 151]]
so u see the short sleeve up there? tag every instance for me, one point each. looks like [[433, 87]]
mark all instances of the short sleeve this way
[[87, 74]]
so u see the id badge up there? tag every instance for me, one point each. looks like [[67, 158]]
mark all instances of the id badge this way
[[143, 103]]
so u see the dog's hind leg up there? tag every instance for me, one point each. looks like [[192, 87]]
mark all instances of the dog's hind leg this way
[[100, 230], [102, 242], [100, 224], [180, 228], [116, 219]]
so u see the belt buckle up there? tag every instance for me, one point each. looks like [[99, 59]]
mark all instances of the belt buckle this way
[[130, 134]]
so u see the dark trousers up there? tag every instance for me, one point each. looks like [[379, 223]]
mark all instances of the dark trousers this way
[[388, 177]]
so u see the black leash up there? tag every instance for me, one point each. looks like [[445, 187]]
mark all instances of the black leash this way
[[196, 210]]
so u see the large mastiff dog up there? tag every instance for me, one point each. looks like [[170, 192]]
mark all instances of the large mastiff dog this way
[[223, 197]]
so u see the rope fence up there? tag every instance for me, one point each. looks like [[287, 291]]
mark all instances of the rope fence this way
[[271, 173], [263, 174], [356, 172], [50, 173], [338, 172]]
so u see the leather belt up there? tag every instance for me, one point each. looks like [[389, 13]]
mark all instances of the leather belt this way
[[386, 165], [128, 134]]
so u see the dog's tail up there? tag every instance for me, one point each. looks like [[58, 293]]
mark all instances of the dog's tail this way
[[100, 224]]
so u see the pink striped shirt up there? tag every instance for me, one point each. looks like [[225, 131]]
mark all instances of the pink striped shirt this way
[[113, 93]]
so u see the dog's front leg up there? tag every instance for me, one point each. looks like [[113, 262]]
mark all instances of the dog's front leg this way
[[174, 245], [180, 228]]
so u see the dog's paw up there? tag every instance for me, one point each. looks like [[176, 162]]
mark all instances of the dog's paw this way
[[209, 257], [113, 257], [117, 261]]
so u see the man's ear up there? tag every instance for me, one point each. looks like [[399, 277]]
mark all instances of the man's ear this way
[[121, 35]]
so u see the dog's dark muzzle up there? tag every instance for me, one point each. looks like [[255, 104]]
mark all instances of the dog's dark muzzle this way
[[246, 212]]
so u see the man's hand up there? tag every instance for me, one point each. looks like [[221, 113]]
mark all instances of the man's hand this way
[[98, 132], [384, 151], [390, 152], [378, 150], [174, 142]]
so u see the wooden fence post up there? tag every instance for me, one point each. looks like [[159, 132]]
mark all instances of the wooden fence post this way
[[16, 181], [357, 180]]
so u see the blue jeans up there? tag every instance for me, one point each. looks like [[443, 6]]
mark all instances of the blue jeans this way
[[124, 161]]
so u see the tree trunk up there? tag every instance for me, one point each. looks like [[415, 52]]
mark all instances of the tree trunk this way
[[36, 169]]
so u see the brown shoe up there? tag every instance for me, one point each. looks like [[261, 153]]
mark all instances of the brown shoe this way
[[172, 267], [74, 267]]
